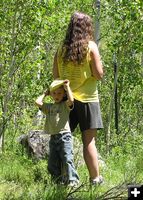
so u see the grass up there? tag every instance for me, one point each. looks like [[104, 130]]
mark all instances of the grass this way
[[21, 178]]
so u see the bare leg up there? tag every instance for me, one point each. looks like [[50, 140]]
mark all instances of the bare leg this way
[[90, 152]]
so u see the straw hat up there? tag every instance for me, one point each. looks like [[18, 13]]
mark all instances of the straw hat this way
[[56, 84]]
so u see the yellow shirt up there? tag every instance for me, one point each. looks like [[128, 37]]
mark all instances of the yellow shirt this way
[[82, 83]]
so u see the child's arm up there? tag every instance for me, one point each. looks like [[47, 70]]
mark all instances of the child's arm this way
[[39, 100], [69, 93]]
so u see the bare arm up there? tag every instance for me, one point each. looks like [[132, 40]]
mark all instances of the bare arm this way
[[55, 67], [69, 93], [96, 64], [39, 100]]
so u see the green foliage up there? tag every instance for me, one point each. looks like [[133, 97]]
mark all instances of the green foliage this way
[[22, 178]]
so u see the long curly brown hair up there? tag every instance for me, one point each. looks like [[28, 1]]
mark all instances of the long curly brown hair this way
[[79, 32]]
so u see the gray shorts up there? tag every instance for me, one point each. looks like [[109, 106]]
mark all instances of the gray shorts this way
[[87, 115]]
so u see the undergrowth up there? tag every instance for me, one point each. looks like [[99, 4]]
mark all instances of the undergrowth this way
[[22, 178]]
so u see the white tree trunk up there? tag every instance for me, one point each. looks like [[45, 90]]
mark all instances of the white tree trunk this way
[[1, 139], [97, 23]]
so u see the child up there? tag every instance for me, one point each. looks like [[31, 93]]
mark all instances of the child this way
[[57, 125]]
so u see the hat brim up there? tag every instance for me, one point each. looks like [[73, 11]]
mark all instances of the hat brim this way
[[56, 84]]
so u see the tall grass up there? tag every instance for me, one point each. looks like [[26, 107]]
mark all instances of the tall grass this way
[[22, 178]]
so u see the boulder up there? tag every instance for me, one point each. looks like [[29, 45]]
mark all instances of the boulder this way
[[36, 143]]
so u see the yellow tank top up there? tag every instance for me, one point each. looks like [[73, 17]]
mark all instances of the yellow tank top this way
[[82, 83]]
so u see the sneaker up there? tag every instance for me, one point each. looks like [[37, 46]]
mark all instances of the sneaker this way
[[97, 181], [73, 183]]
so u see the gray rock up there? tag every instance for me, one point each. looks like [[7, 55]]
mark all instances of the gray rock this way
[[36, 143]]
